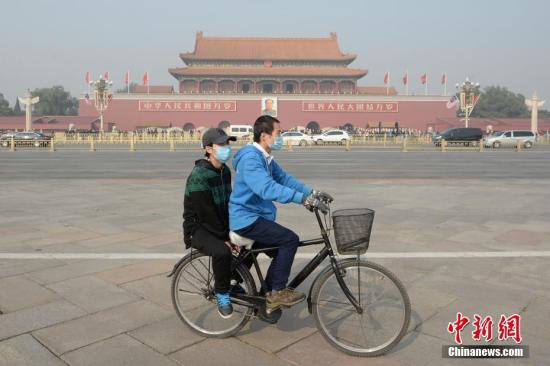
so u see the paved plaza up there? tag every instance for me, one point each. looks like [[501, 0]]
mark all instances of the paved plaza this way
[[465, 231]]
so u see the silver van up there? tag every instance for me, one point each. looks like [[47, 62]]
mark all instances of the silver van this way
[[511, 138], [240, 130]]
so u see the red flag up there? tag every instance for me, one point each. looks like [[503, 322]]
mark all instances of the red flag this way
[[127, 77], [424, 79], [405, 79], [87, 77], [146, 78], [475, 98], [106, 77], [443, 78], [386, 77]]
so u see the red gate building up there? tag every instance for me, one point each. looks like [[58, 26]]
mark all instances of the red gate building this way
[[304, 82]]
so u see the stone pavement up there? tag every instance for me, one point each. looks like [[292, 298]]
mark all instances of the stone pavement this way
[[119, 312]]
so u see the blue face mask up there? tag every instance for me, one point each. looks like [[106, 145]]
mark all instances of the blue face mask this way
[[223, 153], [278, 144]]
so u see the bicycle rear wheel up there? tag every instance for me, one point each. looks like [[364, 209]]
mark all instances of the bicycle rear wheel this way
[[383, 298], [195, 303]]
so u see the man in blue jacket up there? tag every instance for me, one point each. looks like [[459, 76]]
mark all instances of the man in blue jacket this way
[[259, 181]]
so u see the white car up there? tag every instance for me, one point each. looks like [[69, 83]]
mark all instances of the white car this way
[[296, 138], [331, 136], [511, 138]]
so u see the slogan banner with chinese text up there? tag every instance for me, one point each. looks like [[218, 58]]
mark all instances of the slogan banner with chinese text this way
[[188, 106], [366, 107]]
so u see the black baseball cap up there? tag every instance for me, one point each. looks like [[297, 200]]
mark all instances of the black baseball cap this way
[[216, 136]]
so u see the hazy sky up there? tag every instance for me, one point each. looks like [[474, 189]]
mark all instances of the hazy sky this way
[[48, 42]]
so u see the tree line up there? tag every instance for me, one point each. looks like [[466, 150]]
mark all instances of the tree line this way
[[54, 101], [499, 102]]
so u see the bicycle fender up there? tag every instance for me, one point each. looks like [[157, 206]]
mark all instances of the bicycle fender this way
[[178, 263], [326, 269]]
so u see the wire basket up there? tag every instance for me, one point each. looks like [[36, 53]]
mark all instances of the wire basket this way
[[352, 229]]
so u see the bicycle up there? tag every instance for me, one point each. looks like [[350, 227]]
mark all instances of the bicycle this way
[[359, 306]]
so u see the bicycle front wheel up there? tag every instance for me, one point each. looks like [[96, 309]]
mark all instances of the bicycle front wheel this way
[[195, 303], [383, 298]]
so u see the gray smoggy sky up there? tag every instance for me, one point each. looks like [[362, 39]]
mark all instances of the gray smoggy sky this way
[[48, 42]]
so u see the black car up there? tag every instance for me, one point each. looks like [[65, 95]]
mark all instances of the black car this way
[[30, 138], [459, 135]]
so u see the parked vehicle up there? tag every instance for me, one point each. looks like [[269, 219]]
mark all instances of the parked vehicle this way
[[240, 130], [331, 136], [31, 138], [511, 138], [297, 138], [6, 137], [459, 135]]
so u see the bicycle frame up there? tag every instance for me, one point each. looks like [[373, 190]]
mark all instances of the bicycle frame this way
[[326, 251]]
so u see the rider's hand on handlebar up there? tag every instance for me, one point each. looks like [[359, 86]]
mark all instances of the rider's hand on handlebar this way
[[311, 202], [323, 196]]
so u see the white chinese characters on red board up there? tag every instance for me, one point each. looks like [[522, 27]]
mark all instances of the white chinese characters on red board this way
[[365, 107], [187, 106]]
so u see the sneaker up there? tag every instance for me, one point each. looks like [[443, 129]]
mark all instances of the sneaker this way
[[285, 297], [224, 305]]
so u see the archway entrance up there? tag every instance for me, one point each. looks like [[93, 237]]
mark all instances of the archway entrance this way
[[348, 127], [313, 127], [188, 126]]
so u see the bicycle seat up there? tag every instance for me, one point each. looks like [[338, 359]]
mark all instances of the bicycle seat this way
[[240, 240]]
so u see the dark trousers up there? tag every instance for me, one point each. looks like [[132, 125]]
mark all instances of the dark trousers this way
[[210, 245], [267, 234]]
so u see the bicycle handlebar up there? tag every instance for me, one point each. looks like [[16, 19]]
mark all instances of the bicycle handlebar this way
[[323, 196], [327, 205], [320, 202]]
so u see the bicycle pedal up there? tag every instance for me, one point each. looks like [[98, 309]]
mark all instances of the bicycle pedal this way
[[269, 311], [271, 318]]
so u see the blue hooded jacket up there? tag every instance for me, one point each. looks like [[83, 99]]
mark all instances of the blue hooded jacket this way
[[256, 185]]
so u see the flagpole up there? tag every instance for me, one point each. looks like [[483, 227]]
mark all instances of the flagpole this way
[[128, 81], [426, 85], [88, 81], [407, 84], [388, 85], [445, 90], [147, 82]]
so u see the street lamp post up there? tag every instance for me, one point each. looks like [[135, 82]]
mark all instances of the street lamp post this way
[[101, 97], [468, 93]]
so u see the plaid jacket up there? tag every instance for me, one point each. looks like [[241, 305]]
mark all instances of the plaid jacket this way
[[206, 200]]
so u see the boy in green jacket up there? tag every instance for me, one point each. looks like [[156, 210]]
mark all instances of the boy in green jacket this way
[[205, 212]]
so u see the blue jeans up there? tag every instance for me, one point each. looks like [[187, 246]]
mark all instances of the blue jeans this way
[[268, 234]]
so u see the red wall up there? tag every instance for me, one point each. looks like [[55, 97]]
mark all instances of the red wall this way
[[412, 113]]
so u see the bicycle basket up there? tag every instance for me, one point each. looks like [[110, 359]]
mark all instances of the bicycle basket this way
[[352, 229]]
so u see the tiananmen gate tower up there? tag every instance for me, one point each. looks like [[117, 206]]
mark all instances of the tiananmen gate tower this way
[[305, 82]]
